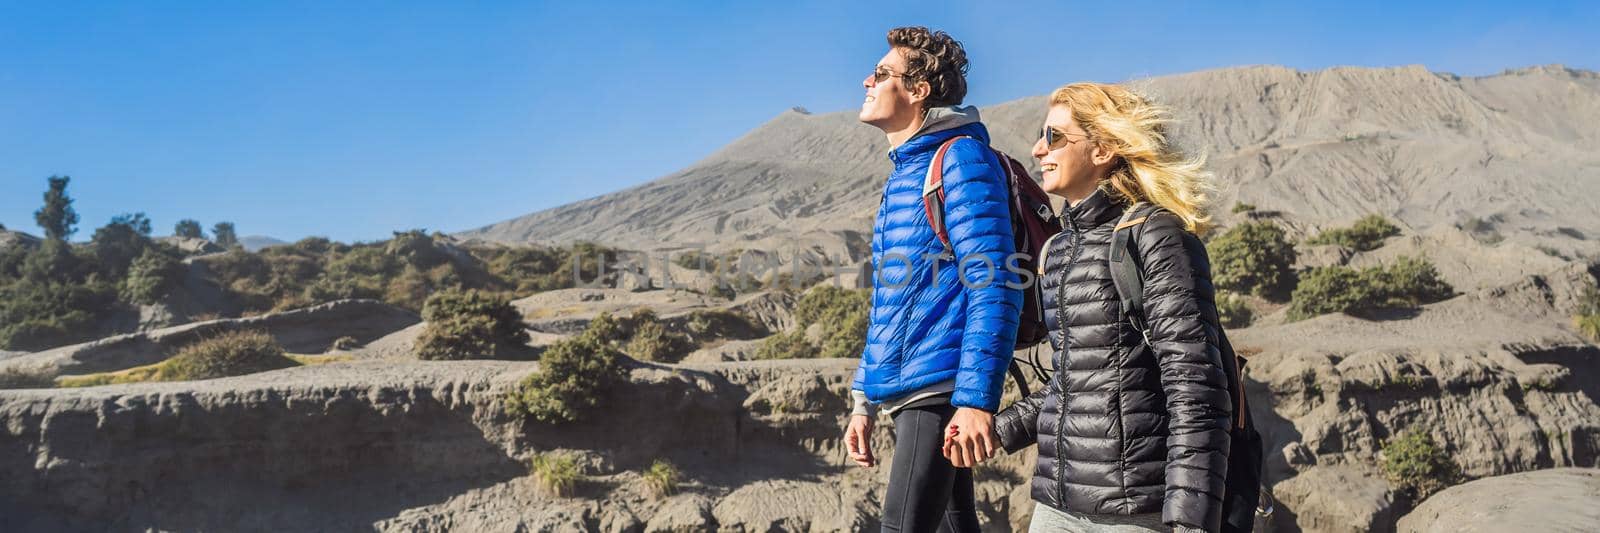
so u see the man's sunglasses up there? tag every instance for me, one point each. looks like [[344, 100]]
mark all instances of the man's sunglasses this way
[[881, 74], [1057, 138]]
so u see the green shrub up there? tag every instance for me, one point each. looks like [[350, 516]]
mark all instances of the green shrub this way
[[787, 345], [1242, 207], [697, 260], [723, 291], [555, 474], [574, 375], [651, 341], [416, 248], [1233, 311], [55, 299], [1408, 282], [608, 330], [26, 378], [1414, 463], [151, 277], [841, 314], [469, 324], [1587, 319], [662, 478], [234, 353], [1366, 234], [119, 242], [1334, 289], [709, 324], [1253, 258]]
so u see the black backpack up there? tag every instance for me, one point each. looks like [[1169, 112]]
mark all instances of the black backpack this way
[[1241, 499]]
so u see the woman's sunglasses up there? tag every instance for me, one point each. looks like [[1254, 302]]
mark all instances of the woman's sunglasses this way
[[1056, 138]]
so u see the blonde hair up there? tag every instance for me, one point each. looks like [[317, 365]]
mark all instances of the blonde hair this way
[[1151, 169]]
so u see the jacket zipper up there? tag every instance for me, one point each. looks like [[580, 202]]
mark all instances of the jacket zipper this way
[[1061, 323]]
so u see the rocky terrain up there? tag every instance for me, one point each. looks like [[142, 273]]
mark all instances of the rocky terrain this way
[[1494, 179]]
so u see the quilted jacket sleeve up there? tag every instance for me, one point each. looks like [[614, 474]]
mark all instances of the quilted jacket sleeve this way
[[1181, 315], [1018, 425], [978, 218]]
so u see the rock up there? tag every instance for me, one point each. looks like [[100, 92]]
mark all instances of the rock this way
[[774, 310], [782, 505], [735, 350], [1337, 499], [191, 245], [1559, 499], [682, 513]]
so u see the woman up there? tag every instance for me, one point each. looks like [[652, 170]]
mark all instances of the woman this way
[[1133, 428]]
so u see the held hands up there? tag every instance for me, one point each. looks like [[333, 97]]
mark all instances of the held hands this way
[[970, 438], [858, 440]]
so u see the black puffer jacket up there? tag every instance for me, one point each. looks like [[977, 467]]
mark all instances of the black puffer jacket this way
[[1127, 427]]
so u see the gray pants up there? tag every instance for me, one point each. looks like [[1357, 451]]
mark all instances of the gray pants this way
[[1047, 519]]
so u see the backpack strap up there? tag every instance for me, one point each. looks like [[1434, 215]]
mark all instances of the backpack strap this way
[[933, 206], [1126, 272], [933, 197]]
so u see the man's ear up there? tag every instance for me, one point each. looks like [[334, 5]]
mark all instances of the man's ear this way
[[920, 91]]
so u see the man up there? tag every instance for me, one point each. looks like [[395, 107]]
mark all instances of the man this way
[[942, 327]]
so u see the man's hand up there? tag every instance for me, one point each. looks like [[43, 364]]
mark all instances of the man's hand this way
[[858, 440], [970, 438]]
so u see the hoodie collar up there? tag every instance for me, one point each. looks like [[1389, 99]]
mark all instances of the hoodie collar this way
[[1096, 210], [937, 126]]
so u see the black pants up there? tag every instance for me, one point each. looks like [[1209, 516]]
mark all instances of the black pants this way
[[925, 492]]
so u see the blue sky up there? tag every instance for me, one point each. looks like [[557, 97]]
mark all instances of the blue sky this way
[[352, 120]]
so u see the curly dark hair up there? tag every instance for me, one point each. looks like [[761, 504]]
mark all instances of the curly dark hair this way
[[934, 57]]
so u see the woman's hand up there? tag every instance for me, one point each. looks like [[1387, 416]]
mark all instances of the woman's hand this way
[[858, 440], [970, 438]]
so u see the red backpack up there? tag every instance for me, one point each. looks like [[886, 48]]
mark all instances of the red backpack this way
[[1032, 223]]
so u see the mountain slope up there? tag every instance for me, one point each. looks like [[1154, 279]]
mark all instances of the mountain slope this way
[[1513, 152]]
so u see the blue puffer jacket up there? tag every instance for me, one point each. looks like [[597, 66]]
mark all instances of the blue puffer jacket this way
[[927, 326]]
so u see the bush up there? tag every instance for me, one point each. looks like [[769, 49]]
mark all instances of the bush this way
[[18, 378], [1253, 258], [786, 345], [1334, 289], [151, 277], [722, 291], [1414, 464], [234, 353], [1233, 311], [841, 314], [574, 375], [662, 478], [469, 324], [651, 341], [709, 324], [1587, 319], [1409, 282], [556, 474], [1242, 207], [1366, 234]]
